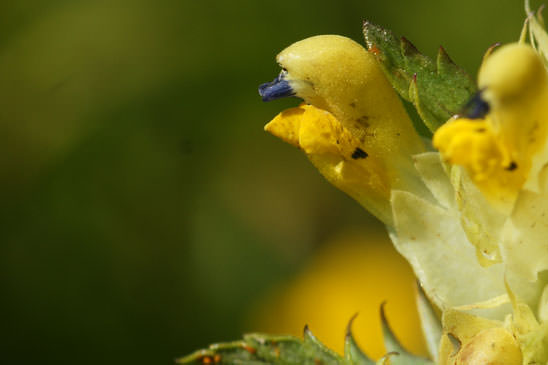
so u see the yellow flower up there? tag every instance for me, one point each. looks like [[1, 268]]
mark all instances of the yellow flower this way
[[355, 129], [503, 150]]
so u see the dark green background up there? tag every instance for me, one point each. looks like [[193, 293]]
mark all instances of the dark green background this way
[[143, 208]]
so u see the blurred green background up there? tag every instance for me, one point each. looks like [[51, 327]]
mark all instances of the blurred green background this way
[[144, 209]]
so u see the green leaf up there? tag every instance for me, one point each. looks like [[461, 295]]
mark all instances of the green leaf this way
[[438, 90], [258, 349]]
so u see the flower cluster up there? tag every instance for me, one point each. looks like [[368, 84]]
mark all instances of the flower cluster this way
[[468, 210]]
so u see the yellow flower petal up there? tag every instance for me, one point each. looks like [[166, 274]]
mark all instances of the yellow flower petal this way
[[343, 159], [474, 145], [287, 125]]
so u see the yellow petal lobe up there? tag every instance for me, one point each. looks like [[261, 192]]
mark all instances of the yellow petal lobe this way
[[339, 156], [474, 145]]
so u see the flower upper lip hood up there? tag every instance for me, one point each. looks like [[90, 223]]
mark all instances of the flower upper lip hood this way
[[322, 71], [513, 74]]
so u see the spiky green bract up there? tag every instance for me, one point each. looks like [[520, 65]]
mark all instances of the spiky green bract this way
[[438, 90], [261, 349], [397, 354], [352, 352]]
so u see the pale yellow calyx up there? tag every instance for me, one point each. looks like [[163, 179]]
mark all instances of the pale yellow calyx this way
[[495, 346], [459, 329], [339, 156], [474, 145]]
